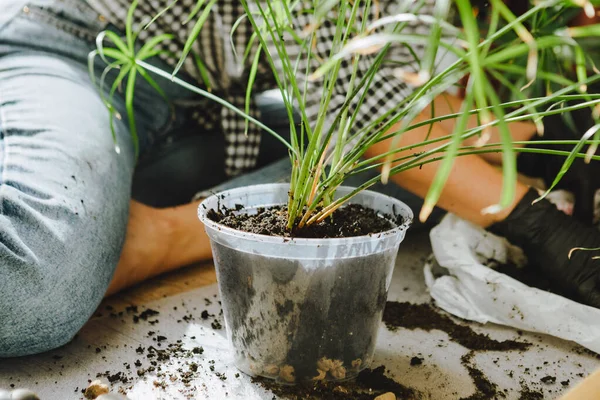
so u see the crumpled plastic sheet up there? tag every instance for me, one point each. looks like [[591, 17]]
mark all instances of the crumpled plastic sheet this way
[[462, 284]]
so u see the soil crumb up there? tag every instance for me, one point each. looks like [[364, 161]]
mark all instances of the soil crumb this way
[[424, 316], [548, 380], [347, 221], [416, 361], [369, 384], [529, 394]]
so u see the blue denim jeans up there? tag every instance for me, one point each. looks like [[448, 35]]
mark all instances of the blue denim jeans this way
[[64, 191]]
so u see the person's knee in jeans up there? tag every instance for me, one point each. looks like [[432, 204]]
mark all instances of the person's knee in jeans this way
[[64, 196]]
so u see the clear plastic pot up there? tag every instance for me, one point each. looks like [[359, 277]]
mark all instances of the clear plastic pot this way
[[302, 309]]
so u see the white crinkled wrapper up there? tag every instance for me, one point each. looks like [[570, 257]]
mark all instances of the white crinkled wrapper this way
[[469, 289]]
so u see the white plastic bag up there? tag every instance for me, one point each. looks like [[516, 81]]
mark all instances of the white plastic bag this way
[[471, 290]]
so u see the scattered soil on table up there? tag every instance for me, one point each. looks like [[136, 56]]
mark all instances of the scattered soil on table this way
[[164, 364], [424, 316], [582, 350], [484, 388], [369, 384], [347, 221]]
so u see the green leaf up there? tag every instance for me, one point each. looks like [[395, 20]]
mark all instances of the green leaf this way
[[112, 110], [593, 147], [121, 46], [442, 7], [580, 68], [129, 91], [509, 161], [122, 73], [151, 45], [569, 161], [515, 51], [374, 43], [523, 33], [91, 61], [251, 78], [195, 11], [203, 71], [117, 55], [232, 33], [478, 79], [443, 172], [153, 83], [157, 16], [214, 98], [129, 26], [584, 31], [194, 35], [421, 18]]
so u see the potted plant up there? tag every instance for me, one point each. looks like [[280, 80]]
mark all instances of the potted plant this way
[[299, 303]]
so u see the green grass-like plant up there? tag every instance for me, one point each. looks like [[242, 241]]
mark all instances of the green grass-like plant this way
[[519, 68]]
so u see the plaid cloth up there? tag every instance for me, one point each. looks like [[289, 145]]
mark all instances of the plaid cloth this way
[[228, 76]]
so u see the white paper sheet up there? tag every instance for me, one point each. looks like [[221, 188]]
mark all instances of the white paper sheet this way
[[471, 290]]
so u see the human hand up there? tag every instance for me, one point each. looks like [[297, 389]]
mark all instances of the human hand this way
[[582, 179], [547, 237]]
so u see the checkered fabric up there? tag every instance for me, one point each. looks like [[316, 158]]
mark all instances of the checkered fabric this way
[[228, 75]]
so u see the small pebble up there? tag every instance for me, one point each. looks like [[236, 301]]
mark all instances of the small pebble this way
[[321, 375], [338, 373], [287, 373], [386, 396], [272, 370], [96, 389], [356, 363], [324, 364], [23, 394]]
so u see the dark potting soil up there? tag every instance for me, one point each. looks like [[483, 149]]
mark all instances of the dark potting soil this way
[[350, 220], [424, 316], [369, 384]]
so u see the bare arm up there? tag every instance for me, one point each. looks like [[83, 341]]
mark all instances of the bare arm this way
[[157, 241], [447, 104]]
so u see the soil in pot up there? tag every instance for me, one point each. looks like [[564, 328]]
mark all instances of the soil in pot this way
[[298, 320], [349, 221]]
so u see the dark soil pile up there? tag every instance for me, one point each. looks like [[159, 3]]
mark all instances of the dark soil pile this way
[[369, 384], [424, 316], [347, 221]]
